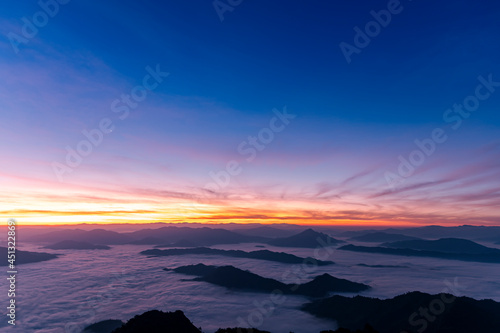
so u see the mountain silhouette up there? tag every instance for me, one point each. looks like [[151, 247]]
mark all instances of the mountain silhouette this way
[[25, 257], [235, 278], [259, 255], [180, 243], [265, 231], [95, 236], [159, 322], [307, 239], [381, 237], [200, 236], [411, 312], [160, 236], [451, 245], [75, 245], [482, 257], [104, 326]]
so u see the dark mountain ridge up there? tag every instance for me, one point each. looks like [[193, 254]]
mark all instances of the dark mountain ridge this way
[[306, 239], [75, 245], [259, 255], [235, 278], [447, 313]]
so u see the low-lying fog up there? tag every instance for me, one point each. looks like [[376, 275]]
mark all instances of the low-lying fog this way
[[85, 286]]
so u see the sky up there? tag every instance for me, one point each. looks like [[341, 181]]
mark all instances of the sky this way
[[377, 113]]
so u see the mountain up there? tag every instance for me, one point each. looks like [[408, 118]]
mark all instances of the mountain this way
[[411, 312], [259, 255], [381, 237], [235, 278], [307, 238], [74, 245], [323, 284], [95, 236], [450, 245], [159, 322], [483, 257], [382, 266], [479, 233], [463, 231], [164, 235], [25, 257], [266, 231], [366, 329], [147, 241], [200, 236], [240, 330], [181, 243], [197, 270], [104, 326]]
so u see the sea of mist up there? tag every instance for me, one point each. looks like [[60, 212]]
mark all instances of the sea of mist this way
[[86, 286]]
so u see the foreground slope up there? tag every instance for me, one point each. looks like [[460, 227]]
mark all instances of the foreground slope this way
[[411, 312]]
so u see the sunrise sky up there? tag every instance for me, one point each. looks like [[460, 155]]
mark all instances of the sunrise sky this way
[[328, 162]]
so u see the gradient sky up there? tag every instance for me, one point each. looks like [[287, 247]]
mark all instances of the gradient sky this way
[[327, 166]]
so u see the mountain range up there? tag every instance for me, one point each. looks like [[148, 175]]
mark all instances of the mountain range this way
[[235, 278]]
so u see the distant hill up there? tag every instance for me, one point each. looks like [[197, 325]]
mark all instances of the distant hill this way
[[381, 237], [147, 241], [401, 313], [105, 326], [487, 257], [382, 266], [450, 245], [196, 270], [235, 278], [181, 243], [366, 329], [325, 283], [307, 239], [479, 233], [259, 255], [240, 330], [159, 322], [95, 236], [25, 257], [266, 231], [164, 235], [74, 245], [199, 236], [176, 322], [463, 231]]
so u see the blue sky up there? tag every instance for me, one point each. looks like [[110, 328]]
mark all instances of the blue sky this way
[[353, 120]]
